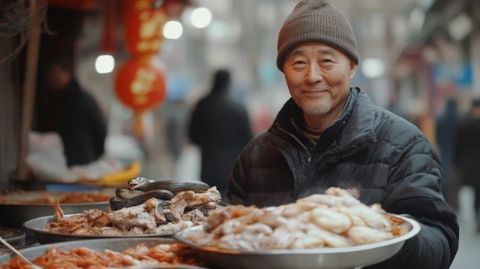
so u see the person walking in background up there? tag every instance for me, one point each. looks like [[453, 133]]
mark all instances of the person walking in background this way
[[220, 127], [67, 109], [467, 152], [176, 121], [331, 134], [445, 133]]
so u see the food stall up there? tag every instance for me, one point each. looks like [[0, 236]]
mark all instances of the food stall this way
[[146, 223], [47, 28]]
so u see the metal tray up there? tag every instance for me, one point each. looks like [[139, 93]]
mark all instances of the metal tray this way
[[37, 227], [320, 258], [14, 237], [99, 245], [15, 214]]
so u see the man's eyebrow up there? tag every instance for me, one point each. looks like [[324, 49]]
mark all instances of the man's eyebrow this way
[[296, 52]]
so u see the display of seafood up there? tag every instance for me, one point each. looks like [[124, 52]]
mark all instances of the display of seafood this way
[[333, 219], [141, 189], [84, 257], [148, 212]]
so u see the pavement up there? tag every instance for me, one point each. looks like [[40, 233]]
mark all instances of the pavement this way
[[468, 255]]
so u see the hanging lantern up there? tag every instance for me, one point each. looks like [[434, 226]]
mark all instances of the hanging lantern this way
[[140, 85], [143, 27]]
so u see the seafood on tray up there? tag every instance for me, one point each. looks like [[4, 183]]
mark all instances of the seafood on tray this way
[[333, 219], [84, 257], [145, 214], [141, 189]]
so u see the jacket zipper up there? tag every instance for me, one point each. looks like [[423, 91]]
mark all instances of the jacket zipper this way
[[309, 158]]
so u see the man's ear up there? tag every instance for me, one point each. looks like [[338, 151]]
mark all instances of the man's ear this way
[[353, 67]]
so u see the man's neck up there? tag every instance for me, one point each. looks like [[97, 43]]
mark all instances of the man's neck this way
[[318, 124]]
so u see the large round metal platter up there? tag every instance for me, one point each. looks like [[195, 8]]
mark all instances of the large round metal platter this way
[[38, 228], [14, 211], [100, 245], [319, 258]]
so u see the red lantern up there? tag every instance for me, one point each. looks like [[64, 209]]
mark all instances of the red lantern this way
[[143, 27], [140, 85]]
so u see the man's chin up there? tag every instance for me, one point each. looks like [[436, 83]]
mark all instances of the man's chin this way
[[316, 111], [316, 108]]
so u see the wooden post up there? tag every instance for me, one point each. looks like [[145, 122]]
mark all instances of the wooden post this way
[[29, 87]]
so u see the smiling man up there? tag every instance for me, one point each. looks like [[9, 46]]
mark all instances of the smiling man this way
[[331, 134], [318, 77]]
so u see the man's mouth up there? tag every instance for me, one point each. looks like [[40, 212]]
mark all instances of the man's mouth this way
[[314, 93]]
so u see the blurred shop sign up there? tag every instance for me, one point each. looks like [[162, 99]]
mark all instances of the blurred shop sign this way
[[178, 86], [460, 74], [143, 27]]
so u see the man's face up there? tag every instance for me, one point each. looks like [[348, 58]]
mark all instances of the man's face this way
[[318, 78]]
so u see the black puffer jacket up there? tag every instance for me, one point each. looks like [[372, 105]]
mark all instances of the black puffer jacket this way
[[383, 156]]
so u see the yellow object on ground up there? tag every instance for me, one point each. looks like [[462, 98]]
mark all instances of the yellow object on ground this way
[[121, 178]]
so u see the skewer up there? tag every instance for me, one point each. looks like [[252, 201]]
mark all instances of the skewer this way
[[14, 250]]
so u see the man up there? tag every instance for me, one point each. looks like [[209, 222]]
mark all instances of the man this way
[[70, 111], [467, 150], [219, 146], [446, 126], [330, 134]]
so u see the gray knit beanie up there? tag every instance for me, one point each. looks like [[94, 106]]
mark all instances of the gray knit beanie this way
[[316, 21]]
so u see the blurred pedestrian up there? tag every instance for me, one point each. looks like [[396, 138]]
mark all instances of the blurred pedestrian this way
[[332, 134], [467, 152], [445, 133], [175, 125], [67, 109], [221, 128]]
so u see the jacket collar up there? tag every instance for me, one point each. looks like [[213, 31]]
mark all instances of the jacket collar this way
[[360, 128], [357, 120]]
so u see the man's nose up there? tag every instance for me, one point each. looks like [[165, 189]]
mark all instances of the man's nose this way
[[314, 73]]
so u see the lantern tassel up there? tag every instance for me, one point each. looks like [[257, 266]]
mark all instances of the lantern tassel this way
[[138, 125]]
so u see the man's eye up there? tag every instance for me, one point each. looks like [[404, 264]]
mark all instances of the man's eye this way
[[298, 62], [327, 61]]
